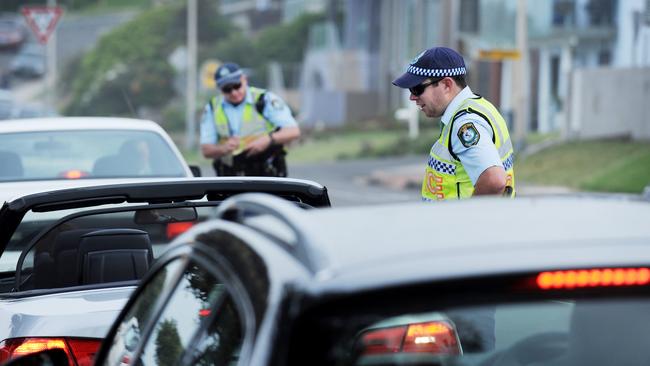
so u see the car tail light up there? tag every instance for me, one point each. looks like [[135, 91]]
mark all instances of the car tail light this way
[[386, 340], [80, 351], [73, 174], [83, 350], [432, 337], [437, 337], [597, 277], [204, 312], [175, 229]]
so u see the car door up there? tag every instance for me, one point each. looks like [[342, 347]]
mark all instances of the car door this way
[[190, 310]]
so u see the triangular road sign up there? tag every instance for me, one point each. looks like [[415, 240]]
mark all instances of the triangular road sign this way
[[42, 20]]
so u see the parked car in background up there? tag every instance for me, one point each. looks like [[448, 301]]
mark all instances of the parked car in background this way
[[12, 31], [71, 258], [564, 282], [50, 153], [29, 61]]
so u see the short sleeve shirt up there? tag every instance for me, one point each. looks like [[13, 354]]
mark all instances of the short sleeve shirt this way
[[471, 138], [276, 111]]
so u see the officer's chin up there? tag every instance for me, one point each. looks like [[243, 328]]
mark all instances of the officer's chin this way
[[236, 99]]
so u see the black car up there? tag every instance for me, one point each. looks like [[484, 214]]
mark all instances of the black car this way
[[269, 284], [553, 281]]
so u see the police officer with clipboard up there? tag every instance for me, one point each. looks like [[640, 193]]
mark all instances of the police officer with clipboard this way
[[244, 130]]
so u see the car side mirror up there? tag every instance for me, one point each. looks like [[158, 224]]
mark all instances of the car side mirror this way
[[196, 170], [50, 357]]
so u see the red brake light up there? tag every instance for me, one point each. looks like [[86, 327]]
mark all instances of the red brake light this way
[[386, 340], [176, 228], [600, 277], [437, 337], [84, 350], [80, 350], [204, 312], [73, 174]]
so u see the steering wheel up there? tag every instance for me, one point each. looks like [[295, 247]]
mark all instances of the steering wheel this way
[[536, 348]]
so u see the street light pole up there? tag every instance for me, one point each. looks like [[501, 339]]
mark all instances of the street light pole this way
[[50, 82], [520, 88], [190, 105]]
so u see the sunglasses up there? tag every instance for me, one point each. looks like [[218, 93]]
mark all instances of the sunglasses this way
[[229, 88], [420, 88]]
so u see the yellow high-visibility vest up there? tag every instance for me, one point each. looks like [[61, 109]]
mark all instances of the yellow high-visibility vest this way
[[253, 124], [445, 177]]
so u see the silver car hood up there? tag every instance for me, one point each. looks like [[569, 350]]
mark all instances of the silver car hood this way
[[87, 313]]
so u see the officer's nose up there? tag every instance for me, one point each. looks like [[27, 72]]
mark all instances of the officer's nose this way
[[412, 97]]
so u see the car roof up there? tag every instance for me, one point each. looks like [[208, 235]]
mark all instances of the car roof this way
[[365, 246], [77, 123]]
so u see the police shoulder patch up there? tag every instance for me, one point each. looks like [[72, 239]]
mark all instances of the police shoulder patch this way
[[276, 103], [468, 134]]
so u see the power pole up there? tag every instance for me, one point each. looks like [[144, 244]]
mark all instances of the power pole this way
[[50, 81], [190, 105], [521, 88]]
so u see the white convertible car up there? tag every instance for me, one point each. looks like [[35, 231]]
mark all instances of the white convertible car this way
[[74, 256]]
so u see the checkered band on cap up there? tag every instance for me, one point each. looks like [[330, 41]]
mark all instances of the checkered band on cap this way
[[439, 73]]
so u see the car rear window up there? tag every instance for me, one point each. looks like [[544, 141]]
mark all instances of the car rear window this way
[[549, 332], [50, 155]]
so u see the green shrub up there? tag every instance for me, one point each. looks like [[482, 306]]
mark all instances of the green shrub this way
[[173, 117], [128, 68]]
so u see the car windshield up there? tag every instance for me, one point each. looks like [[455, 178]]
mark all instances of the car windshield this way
[[551, 333], [46, 155]]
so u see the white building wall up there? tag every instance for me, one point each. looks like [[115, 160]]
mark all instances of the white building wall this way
[[600, 112], [633, 39]]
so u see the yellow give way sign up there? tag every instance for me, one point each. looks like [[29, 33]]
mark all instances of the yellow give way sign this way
[[499, 54], [208, 69]]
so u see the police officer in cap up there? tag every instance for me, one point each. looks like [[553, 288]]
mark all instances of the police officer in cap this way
[[245, 128], [472, 156], [474, 153]]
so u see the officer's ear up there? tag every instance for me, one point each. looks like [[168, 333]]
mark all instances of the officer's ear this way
[[447, 82], [244, 80]]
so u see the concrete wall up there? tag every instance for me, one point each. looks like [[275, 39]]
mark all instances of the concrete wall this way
[[609, 103]]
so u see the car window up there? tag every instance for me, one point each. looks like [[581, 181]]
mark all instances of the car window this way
[[195, 298], [139, 315], [221, 342], [86, 154], [553, 332]]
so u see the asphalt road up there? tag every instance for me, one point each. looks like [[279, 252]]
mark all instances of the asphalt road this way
[[347, 181]]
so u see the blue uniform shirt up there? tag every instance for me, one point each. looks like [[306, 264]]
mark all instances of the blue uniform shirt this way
[[276, 111], [483, 154]]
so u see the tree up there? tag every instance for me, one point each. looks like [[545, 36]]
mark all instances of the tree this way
[[168, 344]]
